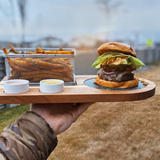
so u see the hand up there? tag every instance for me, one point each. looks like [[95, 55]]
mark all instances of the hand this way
[[59, 116]]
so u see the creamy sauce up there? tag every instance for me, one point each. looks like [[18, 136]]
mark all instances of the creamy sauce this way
[[51, 82], [16, 82]]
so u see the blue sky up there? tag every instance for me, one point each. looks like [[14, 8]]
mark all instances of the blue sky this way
[[69, 18]]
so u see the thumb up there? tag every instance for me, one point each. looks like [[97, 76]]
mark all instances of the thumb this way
[[83, 107]]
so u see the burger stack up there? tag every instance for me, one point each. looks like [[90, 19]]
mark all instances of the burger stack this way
[[117, 61]]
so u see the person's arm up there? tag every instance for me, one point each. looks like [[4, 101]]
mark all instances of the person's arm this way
[[33, 135], [28, 138]]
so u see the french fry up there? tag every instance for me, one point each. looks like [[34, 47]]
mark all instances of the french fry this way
[[36, 69], [19, 59], [60, 49], [11, 62], [60, 70], [55, 77], [11, 77], [69, 75], [5, 50], [145, 83], [39, 50], [32, 63], [61, 61], [41, 72], [43, 75], [56, 60], [15, 74], [13, 49], [66, 64], [50, 60], [42, 64], [29, 52], [19, 69], [20, 63], [57, 52]]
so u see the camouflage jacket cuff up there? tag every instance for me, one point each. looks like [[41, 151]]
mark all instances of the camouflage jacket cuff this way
[[29, 137]]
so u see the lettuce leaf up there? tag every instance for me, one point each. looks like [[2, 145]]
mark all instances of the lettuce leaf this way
[[101, 59], [135, 62], [124, 61], [131, 60]]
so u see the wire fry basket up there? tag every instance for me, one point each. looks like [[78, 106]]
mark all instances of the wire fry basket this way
[[36, 67]]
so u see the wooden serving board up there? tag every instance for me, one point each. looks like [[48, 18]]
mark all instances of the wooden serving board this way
[[78, 94]]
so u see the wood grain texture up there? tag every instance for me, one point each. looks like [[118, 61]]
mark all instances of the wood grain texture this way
[[79, 93]]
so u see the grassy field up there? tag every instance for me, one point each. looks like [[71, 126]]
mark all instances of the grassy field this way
[[109, 131], [9, 115], [115, 131]]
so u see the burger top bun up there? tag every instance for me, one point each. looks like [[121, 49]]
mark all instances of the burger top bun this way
[[116, 47]]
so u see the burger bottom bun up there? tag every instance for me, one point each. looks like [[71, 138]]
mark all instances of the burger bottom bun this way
[[110, 84]]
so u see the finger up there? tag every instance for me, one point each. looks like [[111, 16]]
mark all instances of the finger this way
[[78, 104], [30, 105], [83, 107]]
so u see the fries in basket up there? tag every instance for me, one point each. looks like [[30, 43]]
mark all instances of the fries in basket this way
[[36, 69]]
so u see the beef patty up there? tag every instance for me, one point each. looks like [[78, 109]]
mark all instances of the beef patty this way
[[117, 77]]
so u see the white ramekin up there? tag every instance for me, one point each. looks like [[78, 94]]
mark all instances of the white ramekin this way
[[16, 86], [51, 88]]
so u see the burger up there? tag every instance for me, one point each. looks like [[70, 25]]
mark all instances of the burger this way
[[117, 61]]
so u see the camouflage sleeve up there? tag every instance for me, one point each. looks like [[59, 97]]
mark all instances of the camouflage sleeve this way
[[28, 138]]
